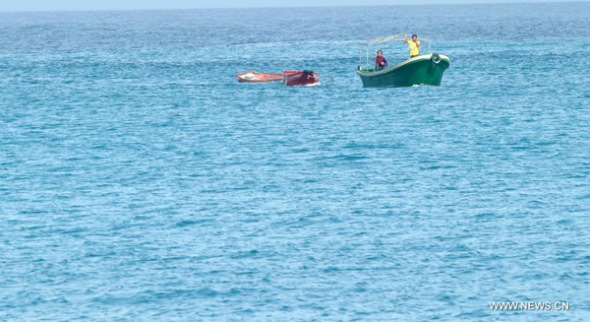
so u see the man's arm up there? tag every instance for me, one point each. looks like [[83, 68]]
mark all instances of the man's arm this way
[[406, 38]]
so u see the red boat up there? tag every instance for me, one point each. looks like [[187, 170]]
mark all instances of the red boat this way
[[300, 78], [254, 77]]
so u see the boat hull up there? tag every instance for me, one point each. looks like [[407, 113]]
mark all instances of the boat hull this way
[[300, 78], [254, 77], [420, 70]]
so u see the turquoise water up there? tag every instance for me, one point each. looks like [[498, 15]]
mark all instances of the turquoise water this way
[[140, 181]]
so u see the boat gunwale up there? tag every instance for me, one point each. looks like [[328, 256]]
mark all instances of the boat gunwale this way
[[405, 62]]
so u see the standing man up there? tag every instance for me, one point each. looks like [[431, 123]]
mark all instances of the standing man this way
[[414, 45], [380, 62]]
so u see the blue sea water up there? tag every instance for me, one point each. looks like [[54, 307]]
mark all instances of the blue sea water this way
[[140, 181]]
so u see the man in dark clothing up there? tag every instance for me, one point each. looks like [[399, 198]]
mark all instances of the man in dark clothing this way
[[380, 62]]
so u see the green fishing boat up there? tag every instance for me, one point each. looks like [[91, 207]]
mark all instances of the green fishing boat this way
[[424, 69]]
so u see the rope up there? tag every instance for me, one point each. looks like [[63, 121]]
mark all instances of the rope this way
[[368, 43]]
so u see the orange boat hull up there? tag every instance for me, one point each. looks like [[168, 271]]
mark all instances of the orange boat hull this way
[[254, 77]]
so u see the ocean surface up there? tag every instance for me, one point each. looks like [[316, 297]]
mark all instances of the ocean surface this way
[[140, 181]]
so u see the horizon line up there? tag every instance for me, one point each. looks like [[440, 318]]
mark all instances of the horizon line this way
[[500, 2]]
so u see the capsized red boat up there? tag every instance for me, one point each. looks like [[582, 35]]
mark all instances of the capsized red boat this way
[[255, 77], [300, 78]]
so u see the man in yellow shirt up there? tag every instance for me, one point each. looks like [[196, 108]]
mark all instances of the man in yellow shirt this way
[[414, 45]]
